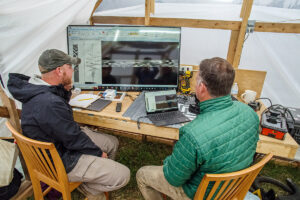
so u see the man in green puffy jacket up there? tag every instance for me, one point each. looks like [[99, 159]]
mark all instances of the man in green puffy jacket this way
[[221, 139]]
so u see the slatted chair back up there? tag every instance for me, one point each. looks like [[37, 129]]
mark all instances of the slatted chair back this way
[[230, 186], [44, 164]]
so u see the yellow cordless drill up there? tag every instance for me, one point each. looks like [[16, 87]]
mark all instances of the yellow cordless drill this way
[[184, 83]]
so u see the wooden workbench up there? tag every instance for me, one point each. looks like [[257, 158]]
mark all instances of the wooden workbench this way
[[111, 120]]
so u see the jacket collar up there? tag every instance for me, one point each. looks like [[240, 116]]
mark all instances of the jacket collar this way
[[60, 91], [215, 104], [22, 90]]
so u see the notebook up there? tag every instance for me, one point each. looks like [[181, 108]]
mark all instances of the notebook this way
[[89, 102], [162, 108]]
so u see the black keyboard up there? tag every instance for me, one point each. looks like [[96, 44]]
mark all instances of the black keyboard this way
[[98, 105], [167, 118]]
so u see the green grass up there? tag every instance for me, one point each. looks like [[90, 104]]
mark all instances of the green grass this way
[[135, 154]]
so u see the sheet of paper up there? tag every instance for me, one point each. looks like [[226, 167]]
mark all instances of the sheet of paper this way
[[83, 100]]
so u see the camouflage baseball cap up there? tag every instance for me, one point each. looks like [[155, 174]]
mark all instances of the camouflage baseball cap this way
[[53, 58]]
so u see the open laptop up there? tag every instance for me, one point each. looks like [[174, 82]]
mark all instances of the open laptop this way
[[162, 108]]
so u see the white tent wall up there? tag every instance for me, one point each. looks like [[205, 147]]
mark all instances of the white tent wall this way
[[28, 27], [276, 53], [198, 44], [279, 55], [114, 4]]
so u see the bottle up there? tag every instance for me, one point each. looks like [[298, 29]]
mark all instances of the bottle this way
[[235, 89]]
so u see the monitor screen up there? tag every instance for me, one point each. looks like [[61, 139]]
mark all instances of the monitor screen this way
[[125, 57]]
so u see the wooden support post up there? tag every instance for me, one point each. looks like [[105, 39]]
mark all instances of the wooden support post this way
[[232, 46], [12, 110], [147, 12], [152, 10], [97, 4], [247, 6], [243, 9]]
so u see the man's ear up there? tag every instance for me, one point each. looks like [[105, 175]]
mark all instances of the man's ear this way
[[204, 88], [202, 91], [59, 71]]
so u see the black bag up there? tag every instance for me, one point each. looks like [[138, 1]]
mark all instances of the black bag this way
[[10, 190]]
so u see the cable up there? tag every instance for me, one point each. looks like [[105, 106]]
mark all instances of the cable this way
[[131, 97], [138, 121], [265, 98], [246, 37]]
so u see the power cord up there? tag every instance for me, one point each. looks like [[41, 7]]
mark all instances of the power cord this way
[[265, 98], [131, 97], [138, 121]]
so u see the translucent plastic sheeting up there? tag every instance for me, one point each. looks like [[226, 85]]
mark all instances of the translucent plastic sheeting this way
[[198, 44], [28, 27], [180, 10], [114, 4], [279, 55], [209, 11], [276, 53]]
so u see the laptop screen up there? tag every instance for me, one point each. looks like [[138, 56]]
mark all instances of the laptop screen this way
[[161, 101]]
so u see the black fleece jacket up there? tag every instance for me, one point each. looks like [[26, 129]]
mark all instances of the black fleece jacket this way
[[47, 116]]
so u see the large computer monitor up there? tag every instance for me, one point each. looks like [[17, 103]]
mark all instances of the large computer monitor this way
[[125, 57]]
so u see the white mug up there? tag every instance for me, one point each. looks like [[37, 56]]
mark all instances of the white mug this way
[[248, 95]]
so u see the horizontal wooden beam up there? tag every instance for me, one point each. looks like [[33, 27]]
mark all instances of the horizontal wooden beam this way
[[4, 112], [196, 23], [118, 20], [277, 27], [199, 23], [177, 22]]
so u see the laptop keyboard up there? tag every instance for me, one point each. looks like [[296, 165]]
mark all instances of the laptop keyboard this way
[[98, 105], [167, 118]]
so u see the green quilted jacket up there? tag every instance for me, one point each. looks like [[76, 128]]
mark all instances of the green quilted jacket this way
[[221, 139]]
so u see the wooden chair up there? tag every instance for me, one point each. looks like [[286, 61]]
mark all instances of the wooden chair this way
[[235, 185], [42, 168]]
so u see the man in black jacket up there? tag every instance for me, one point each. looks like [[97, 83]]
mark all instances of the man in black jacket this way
[[47, 116]]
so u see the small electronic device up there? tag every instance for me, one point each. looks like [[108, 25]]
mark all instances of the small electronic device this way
[[125, 58], [119, 107], [194, 107], [162, 108], [109, 94], [255, 105]]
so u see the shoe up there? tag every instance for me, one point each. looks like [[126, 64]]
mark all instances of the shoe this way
[[100, 196]]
